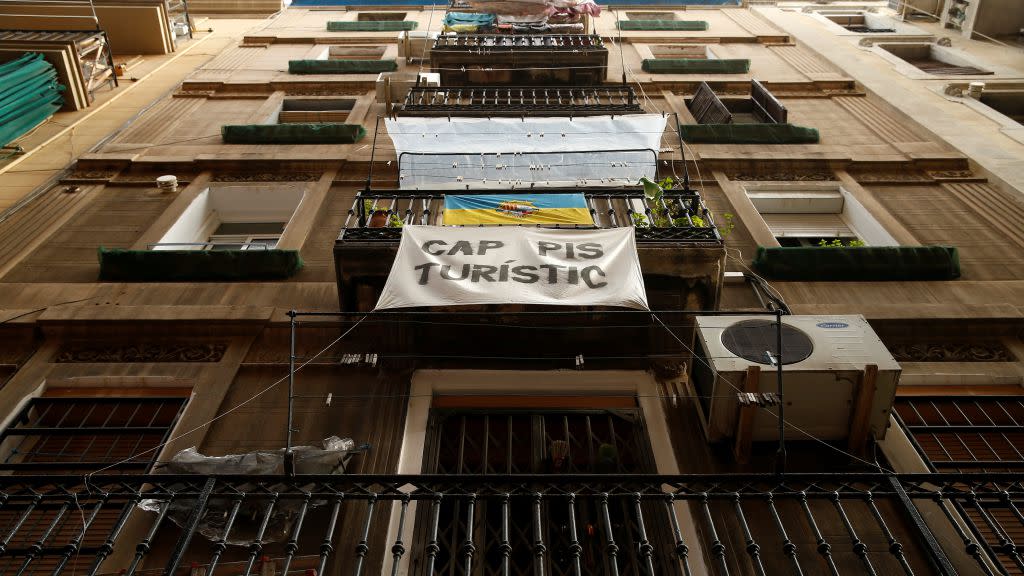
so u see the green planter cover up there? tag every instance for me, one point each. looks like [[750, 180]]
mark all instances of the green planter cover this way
[[748, 134], [685, 25], [868, 263], [308, 133], [193, 265], [696, 66], [381, 26], [341, 66]]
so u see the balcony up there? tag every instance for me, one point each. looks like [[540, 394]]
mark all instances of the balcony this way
[[520, 60], [677, 241], [572, 524], [491, 101]]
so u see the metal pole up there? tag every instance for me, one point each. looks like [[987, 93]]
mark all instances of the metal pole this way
[[289, 457], [198, 509], [780, 463], [373, 150], [682, 151]]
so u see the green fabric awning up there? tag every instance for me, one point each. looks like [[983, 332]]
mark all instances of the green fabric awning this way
[[748, 134], [298, 133], [858, 263], [371, 26], [195, 265], [682, 25], [696, 66], [341, 66]]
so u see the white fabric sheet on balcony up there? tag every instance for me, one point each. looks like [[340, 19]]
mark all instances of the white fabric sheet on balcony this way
[[472, 265], [461, 153]]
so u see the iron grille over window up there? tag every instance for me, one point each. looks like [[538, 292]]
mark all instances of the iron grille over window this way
[[528, 442], [975, 434], [64, 435], [71, 435]]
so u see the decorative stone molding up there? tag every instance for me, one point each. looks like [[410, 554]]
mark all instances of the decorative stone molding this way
[[945, 41], [138, 353], [866, 42], [902, 176], [951, 174], [783, 177], [267, 177], [951, 352]]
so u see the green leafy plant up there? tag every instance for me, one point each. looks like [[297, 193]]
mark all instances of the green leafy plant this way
[[661, 215], [838, 243], [727, 225], [394, 221]]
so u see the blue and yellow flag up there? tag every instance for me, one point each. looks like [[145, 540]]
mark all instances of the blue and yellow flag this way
[[516, 209]]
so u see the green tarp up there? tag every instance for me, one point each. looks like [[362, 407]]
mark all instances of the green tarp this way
[[696, 66], [372, 26], [868, 263], [29, 94], [341, 66], [748, 134], [684, 25], [309, 133], [194, 265]]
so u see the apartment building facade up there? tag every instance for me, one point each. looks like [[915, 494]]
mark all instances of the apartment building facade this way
[[211, 275]]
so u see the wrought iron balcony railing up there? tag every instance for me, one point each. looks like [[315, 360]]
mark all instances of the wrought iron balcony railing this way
[[520, 60], [483, 43], [679, 216], [509, 525], [521, 101]]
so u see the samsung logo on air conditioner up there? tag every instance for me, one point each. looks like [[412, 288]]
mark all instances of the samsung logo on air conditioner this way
[[832, 325]]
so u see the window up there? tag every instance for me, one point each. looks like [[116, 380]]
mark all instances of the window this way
[[689, 51], [861, 23], [232, 217], [934, 59], [761, 108], [72, 431], [380, 16], [1008, 103], [812, 214], [973, 434], [966, 434], [651, 15], [316, 110], [82, 434], [540, 442], [245, 236], [355, 52]]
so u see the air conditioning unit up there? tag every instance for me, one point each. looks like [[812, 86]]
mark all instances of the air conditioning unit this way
[[824, 360]]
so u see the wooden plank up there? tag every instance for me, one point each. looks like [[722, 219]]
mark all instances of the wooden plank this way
[[745, 424], [859, 427]]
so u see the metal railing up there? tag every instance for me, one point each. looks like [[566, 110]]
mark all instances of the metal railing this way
[[517, 101], [679, 216], [209, 245], [485, 43], [504, 525]]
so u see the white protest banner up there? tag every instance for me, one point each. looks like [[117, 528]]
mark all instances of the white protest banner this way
[[449, 266]]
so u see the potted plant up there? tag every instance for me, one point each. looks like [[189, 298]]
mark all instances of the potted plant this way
[[375, 218]]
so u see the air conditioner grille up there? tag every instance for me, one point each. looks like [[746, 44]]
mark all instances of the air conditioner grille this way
[[750, 339]]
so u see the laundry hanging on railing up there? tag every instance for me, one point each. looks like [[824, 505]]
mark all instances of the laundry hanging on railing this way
[[332, 458], [457, 266], [506, 153]]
